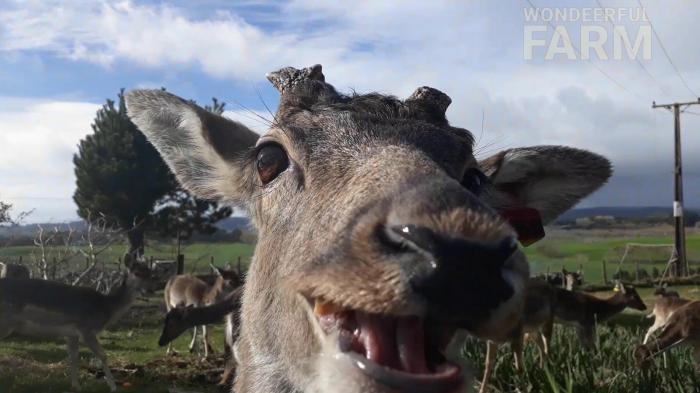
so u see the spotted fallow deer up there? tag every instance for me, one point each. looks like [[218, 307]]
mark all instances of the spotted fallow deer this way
[[51, 309], [188, 290], [379, 232], [682, 328]]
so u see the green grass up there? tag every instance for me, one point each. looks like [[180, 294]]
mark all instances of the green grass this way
[[197, 255], [609, 368], [571, 251], [33, 366], [29, 365]]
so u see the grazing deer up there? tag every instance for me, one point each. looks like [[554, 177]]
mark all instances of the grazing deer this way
[[585, 311], [545, 304], [12, 270], [180, 319], [379, 233], [665, 304], [47, 308], [536, 321], [187, 290], [682, 327]]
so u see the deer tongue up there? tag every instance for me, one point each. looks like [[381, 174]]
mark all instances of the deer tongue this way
[[394, 342]]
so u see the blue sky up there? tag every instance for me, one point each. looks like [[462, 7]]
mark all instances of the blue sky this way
[[59, 61]]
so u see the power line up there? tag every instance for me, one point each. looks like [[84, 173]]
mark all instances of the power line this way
[[668, 57], [663, 90], [605, 74]]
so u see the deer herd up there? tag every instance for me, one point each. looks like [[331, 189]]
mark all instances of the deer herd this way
[[382, 243]]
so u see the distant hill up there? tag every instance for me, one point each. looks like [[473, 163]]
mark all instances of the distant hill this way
[[227, 225], [231, 223], [620, 212], [31, 229]]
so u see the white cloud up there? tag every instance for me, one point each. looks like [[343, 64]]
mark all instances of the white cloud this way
[[37, 143], [471, 51]]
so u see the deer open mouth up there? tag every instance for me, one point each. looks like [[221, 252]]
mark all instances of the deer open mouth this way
[[403, 353]]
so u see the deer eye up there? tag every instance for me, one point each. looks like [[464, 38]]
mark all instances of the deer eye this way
[[271, 160], [474, 180]]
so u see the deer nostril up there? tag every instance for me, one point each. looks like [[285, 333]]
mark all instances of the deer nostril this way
[[454, 273], [425, 240], [412, 237]]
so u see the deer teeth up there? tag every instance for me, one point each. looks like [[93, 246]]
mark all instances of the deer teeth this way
[[323, 308]]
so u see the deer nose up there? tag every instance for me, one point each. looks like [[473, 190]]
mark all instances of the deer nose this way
[[456, 276]]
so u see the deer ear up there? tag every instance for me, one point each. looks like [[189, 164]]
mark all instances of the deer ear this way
[[202, 149], [549, 179]]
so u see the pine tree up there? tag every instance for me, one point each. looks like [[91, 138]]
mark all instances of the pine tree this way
[[120, 176]]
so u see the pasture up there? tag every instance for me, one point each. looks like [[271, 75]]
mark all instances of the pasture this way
[[139, 365]]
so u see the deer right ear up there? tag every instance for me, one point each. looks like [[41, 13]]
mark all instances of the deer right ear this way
[[202, 149]]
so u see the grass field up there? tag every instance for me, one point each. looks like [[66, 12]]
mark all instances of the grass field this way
[[29, 365], [589, 248], [35, 366]]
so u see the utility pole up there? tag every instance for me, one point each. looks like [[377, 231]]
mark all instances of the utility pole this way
[[681, 260]]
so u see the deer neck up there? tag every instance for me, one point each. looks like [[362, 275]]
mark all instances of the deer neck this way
[[215, 290], [120, 300], [610, 306]]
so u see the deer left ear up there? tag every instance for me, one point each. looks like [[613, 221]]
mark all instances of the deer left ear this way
[[547, 179]]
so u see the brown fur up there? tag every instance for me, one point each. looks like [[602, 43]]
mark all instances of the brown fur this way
[[585, 311], [188, 290], [682, 328], [665, 304], [46, 308], [545, 304], [180, 319], [359, 167]]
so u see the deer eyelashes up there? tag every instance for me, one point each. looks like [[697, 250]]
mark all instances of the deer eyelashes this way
[[271, 160]]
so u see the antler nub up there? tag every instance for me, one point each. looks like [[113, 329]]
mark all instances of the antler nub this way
[[432, 99], [289, 76]]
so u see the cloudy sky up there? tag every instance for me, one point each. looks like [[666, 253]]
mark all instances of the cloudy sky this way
[[59, 61]]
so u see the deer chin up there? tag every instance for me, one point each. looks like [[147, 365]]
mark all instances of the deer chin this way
[[365, 352]]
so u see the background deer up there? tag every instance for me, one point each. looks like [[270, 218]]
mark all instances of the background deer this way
[[682, 328], [188, 290], [180, 319], [47, 308], [585, 311], [545, 303], [665, 304], [13, 270], [536, 321], [379, 233]]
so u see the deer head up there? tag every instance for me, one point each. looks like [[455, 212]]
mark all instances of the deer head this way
[[628, 294], [379, 232]]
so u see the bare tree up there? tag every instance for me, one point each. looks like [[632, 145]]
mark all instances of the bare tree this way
[[58, 251]]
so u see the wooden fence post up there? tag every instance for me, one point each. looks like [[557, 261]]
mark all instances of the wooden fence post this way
[[180, 263], [605, 272], [636, 271]]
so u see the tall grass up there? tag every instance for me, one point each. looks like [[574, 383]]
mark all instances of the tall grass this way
[[609, 368]]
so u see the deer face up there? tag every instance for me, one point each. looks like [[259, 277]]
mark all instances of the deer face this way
[[141, 277], [632, 298], [379, 232]]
